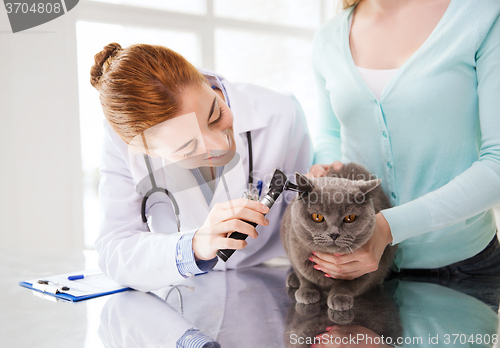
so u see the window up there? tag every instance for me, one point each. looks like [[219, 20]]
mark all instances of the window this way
[[294, 13], [91, 38], [266, 42], [186, 6]]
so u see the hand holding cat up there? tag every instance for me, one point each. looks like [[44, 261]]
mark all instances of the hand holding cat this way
[[363, 260], [225, 218]]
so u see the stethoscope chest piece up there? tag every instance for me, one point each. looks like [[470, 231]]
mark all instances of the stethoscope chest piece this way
[[251, 193]]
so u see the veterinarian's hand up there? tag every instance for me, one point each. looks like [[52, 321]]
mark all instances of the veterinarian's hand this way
[[363, 260], [342, 336], [319, 170], [223, 219]]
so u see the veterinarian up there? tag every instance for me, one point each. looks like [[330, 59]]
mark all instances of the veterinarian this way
[[171, 126], [410, 89]]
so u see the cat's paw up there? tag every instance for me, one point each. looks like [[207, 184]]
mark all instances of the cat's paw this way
[[292, 281], [291, 292], [341, 317], [308, 310], [307, 295], [340, 302]]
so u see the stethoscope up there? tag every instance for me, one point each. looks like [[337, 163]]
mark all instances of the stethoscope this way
[[250, 193]]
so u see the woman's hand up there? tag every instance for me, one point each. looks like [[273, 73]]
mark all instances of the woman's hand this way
[[225, 218], [319, 170], [363, 260]]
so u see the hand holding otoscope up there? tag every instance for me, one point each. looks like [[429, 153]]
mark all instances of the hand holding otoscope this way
[[279, 183], [240, 215]]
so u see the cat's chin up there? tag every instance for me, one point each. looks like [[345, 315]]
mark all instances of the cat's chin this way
[[332, 248]]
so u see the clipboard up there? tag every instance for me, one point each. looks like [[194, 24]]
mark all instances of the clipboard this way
[[61, 288]]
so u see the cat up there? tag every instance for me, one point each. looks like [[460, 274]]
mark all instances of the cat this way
[[335, 215]]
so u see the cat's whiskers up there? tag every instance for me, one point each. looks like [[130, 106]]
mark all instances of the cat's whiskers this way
[[356, 245], [314, 244], [311, 242]]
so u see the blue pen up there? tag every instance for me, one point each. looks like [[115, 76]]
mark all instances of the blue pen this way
[[82, 276], [259, 186]]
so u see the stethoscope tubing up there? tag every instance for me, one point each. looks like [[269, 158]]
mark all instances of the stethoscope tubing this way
[[155, 188]]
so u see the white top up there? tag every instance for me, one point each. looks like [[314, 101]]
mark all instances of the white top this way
[[375, 79]]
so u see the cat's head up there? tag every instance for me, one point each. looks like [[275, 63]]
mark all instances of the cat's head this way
[[335, 215]]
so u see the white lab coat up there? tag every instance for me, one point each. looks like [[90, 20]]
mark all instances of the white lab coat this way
[[134, 257]]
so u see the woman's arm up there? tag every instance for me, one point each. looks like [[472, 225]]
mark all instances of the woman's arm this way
[[477, 189], [326, 132]]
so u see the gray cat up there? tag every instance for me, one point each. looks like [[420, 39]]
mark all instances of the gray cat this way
[[336, 215]]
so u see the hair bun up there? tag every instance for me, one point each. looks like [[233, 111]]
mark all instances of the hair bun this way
[[100, 60]]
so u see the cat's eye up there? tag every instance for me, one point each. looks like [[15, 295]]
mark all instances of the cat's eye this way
[[317, 217], [350, 218]]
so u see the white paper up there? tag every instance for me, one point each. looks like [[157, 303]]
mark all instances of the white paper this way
[[95, 284]]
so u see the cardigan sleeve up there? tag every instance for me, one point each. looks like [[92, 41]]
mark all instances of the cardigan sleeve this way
[[326, 141], [477, 189]]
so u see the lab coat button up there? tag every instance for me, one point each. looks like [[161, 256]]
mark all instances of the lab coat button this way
[[384, 133], [389, 164]]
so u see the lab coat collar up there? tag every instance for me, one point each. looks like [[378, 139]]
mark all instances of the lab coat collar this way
[[245, 116]]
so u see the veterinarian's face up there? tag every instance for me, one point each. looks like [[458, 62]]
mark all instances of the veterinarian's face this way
[[200, 135]]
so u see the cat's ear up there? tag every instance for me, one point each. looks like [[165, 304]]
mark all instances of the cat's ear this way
[[305, 186], [367, 186]]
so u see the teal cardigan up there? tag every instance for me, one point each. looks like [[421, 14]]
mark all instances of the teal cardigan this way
[[433, 137]]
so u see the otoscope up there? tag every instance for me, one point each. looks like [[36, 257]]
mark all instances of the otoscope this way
[[279, 183]]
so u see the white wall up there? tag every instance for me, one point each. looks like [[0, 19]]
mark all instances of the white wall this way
[[40, 175]]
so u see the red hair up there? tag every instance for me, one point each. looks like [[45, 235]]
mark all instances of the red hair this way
[[140, 86]]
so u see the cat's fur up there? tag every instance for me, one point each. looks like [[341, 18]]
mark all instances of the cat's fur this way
[[301, 235]]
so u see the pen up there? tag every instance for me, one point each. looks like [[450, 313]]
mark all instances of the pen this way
[[259, 186], [82, 276]]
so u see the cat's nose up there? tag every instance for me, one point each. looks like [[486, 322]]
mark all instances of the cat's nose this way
[[333, 232], [334, 236]]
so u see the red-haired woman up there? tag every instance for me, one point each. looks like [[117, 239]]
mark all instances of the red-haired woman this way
[[171, 126]]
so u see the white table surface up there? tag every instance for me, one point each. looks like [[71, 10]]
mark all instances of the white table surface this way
[[238, 308]]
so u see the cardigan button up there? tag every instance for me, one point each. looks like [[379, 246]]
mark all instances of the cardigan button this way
[[389, 164], [384, 133], [393, 195]]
